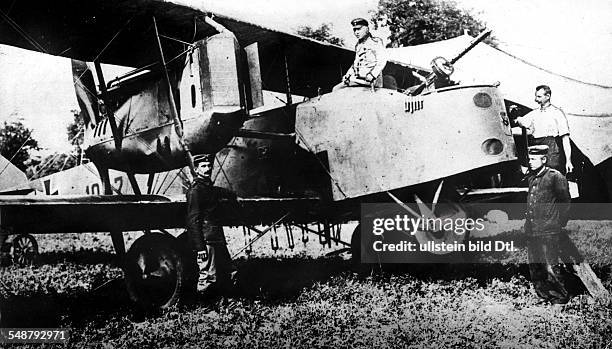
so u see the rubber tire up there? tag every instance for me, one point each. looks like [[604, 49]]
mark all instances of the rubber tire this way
[[159, 253], [29, 258]]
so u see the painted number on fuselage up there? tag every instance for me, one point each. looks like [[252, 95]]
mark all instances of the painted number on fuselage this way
[[412, 105], [100, 128], [93, 189], [119, 184], [47, 184], [504, 118]]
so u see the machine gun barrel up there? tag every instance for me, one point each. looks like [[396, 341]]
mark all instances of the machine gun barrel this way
[[474, 42], [433, 76]]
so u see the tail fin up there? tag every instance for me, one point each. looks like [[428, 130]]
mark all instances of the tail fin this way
[[12, 180]]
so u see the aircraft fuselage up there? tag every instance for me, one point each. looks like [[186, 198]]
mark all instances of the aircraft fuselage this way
[[208, 94]]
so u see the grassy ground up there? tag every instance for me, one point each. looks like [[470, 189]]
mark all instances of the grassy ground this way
[[300, 298]]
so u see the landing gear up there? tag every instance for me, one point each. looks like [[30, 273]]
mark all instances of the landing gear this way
[[442, 236], [437, 212], [157, 272], [24, 250]]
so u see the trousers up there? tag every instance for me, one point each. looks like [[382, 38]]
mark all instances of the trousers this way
[[550, 256]]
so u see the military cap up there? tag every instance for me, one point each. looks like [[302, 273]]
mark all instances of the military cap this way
[[538, 150], [359, 21], [203, 158]]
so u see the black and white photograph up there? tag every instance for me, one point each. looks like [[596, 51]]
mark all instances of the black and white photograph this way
[[306, 174]]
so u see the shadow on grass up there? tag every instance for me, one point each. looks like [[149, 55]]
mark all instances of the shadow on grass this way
[[283, 280], [54, 310], [280, 280], [269, 280]]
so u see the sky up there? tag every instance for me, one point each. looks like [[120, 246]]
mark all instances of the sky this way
[[572, 38]]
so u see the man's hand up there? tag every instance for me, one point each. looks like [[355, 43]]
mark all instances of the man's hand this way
[[513, 112], [421, 78], [355, 81], [370, 78], [346, 79]]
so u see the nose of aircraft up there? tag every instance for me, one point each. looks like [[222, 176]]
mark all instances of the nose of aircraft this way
[[214, 131]]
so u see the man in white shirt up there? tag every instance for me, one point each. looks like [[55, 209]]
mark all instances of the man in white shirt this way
[[545, 125]]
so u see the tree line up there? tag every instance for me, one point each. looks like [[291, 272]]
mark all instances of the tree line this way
[[412, 22], [18, 146]]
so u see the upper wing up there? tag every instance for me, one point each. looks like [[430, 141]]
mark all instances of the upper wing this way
[[120, 32]]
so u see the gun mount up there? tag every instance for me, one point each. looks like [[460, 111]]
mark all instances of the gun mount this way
[[442, 68]]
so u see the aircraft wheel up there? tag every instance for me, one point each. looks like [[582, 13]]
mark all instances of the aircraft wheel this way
[[155, 272], [24, 249]]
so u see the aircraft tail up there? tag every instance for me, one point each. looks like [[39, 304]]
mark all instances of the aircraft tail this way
[[12, 179]]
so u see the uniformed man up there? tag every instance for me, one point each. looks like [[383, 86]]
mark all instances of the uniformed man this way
[[547, 212], [545, 125], [204, 231], [370, 58]]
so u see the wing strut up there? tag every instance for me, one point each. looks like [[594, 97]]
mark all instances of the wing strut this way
[[289, 98], [117, 137], [178, 128], [111, 118], [116, 235]]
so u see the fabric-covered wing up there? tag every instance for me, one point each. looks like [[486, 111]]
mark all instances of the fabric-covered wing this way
[[120, 32], [101, 213], [68, 214]]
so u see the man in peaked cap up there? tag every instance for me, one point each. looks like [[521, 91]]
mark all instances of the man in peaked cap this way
[[370, 58], [548, 201], [204, 229]]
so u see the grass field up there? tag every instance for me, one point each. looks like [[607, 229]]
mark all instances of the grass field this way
[[301, 298]]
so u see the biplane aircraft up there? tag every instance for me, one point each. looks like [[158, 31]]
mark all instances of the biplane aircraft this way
[[197, 87]]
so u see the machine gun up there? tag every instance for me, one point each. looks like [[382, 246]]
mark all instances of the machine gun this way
[[442, 69]]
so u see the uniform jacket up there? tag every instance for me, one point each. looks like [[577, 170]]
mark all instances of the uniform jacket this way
[[203, 206], [548, 201], [369, 58]]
